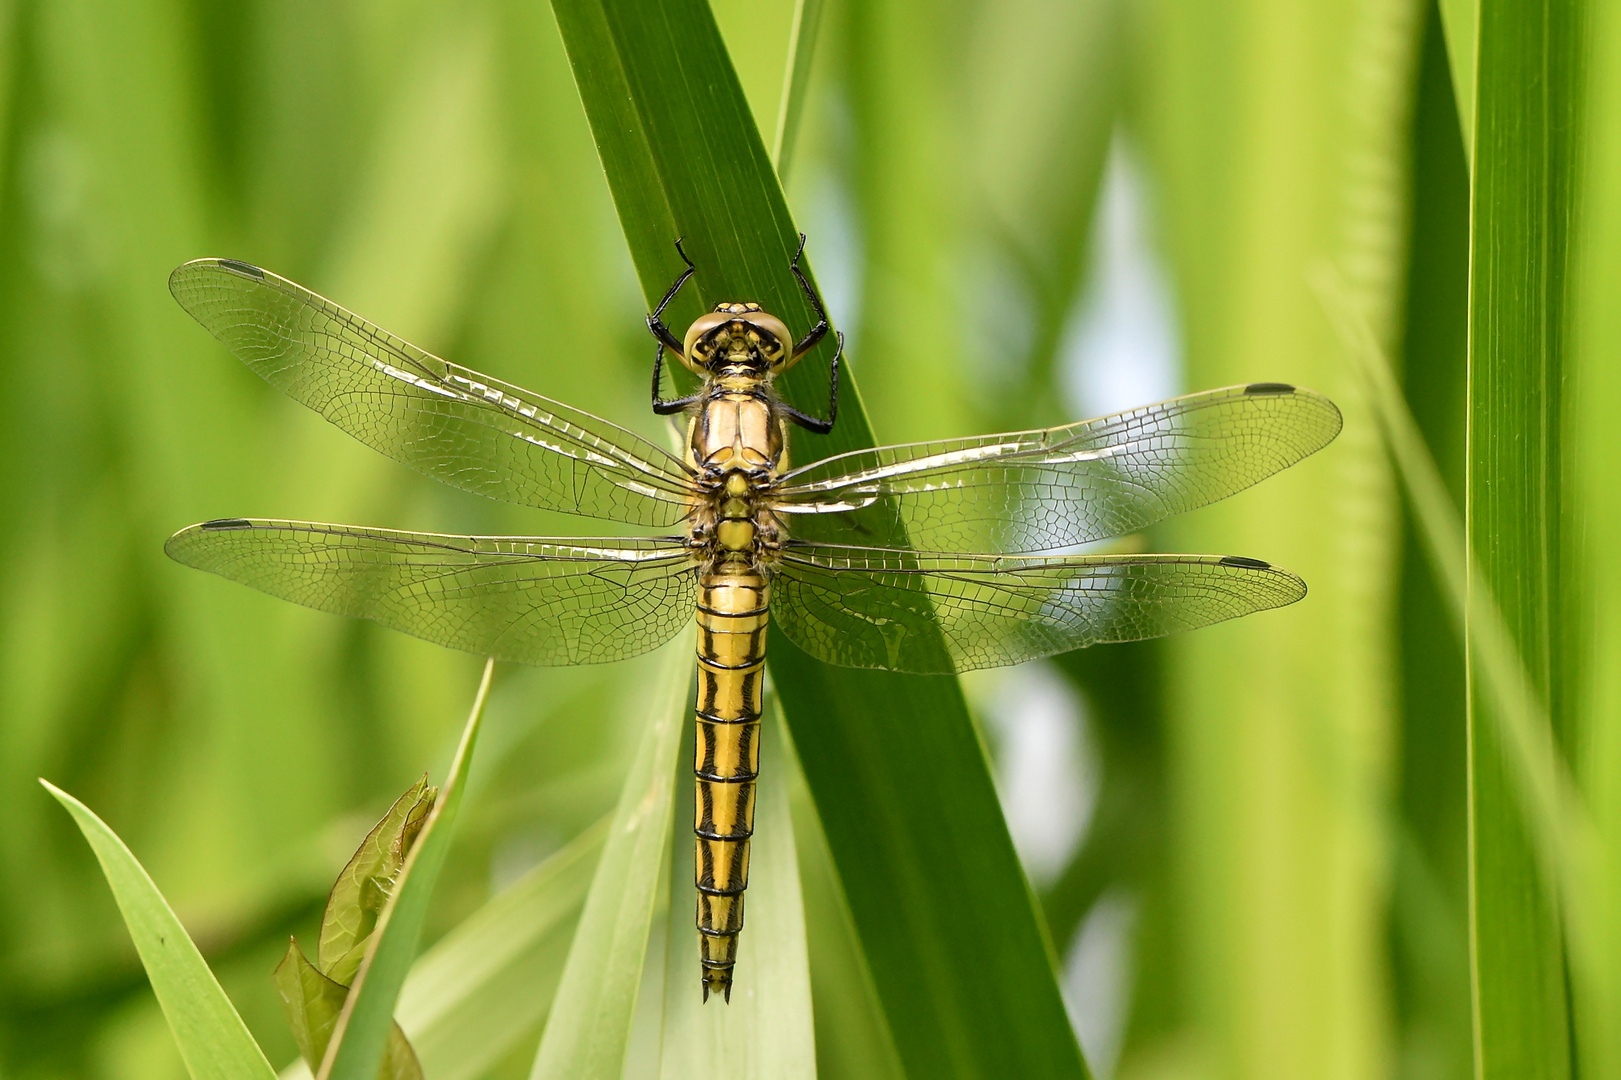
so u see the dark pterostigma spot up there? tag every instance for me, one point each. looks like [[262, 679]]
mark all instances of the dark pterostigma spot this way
[[1246, 563], [247, 269], [1269, 388], [220, 524]]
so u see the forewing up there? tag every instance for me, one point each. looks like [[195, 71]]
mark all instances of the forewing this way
[[1052, 489], [905, 611], [450, 422], [534, 601]]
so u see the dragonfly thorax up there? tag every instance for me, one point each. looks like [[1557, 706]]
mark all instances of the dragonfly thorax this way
[[738, 336]]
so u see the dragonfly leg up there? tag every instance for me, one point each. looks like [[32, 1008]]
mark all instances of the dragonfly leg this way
[[662, 406], [816, 423], [667, 340], [655, 321], [817, 332]]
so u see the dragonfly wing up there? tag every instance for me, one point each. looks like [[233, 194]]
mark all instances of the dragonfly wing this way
[[534, 601], [442, 419], [1045, 490], [905, 611]]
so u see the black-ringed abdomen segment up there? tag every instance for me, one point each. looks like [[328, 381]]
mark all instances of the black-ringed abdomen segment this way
[[733, 602]]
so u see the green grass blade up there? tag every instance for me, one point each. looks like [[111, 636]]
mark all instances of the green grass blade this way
[[897, 771], [1554, 812], [212, 1038], [765, 1032], [491, 980], [588, 1030], [1461, 19], [1517, 520], [1597, 489], [795, 83], [360, 1039]]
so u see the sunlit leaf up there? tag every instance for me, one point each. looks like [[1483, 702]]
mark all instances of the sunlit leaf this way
[[211, 1036], [491, 980], [589, 1027]]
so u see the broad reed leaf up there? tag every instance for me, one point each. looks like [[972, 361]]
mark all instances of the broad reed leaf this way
[[897, 772], [588, 1029], [765, 1032], [361, 1035], [213, 1040]]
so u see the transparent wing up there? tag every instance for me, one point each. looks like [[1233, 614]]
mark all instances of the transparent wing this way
[[447, 421], [904, 611], [1045, 490], [533, 601]]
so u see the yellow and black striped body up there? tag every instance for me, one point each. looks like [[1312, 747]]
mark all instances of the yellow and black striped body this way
[[732, 615], [737, 444]]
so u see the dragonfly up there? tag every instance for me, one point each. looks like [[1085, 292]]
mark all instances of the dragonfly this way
[[988, 574]]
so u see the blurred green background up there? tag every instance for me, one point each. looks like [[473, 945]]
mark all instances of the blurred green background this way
[[1249, 844]]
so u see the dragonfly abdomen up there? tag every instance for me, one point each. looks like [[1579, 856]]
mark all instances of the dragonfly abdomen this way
[[732, 615]]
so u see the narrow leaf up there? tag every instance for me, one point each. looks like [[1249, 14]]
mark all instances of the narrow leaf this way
[[360, 1040], [1554, 813], [1597, 452], [213, 1041], [795, 83], [1461, 19], [491, 980], [589, 1027]]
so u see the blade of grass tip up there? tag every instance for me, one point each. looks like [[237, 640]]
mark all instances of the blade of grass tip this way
[[491, 980], [766, 1031], [589, 1027], [1558, 818], [213, 1040], [1459, 20], [795, 83], [360, 1037]]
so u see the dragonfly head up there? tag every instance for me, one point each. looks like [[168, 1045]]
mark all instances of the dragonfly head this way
[[738, 335]]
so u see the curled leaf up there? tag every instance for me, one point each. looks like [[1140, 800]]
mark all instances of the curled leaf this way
[[367, 882]]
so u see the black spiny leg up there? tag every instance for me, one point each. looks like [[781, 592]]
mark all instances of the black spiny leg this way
[[816, 423], [807, 343], [817, 332], [667, 340]]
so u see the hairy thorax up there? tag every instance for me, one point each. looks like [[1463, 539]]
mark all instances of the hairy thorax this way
[[737, 445]]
